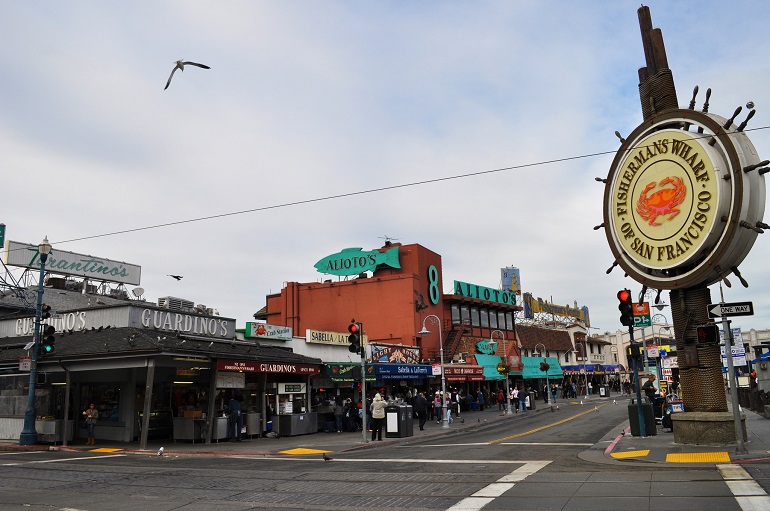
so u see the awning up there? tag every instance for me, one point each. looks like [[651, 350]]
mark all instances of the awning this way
[[489, 363], [532, 368]]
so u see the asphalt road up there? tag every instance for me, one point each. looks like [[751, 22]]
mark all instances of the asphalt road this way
[[534, 462]]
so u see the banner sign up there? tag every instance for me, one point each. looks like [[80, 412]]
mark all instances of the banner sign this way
[[61, 262], [250, 366], [265, 331]]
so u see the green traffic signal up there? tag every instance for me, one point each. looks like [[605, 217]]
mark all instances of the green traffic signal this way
[[48, 342]]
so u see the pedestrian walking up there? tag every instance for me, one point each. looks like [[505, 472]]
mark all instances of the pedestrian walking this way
[[90, 416], [480, 399], [515, 397], [523, 397], [378, 416], [421, 409]]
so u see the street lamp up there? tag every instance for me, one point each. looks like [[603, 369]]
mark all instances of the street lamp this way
[[425, 331], [547, 383], [28, 433], [505, 361]]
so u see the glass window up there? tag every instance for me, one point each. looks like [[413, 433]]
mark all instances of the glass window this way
[[492, 319], [484, 318], [501, 320], [465, 315], [475, 317], [455, 314], [509, 320]]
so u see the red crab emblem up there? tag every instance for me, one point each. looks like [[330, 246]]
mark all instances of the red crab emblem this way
[[662, 202]]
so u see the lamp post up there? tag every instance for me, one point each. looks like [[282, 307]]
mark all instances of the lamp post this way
[[28, 433], [505, 361], [547, 383], [425, 331]]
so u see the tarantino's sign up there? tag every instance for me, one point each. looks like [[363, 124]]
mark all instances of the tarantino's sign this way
[[248, 366]]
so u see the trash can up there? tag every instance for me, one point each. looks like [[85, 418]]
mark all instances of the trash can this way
[[659, 407], [604, 391], [650, 427], [398, 421]]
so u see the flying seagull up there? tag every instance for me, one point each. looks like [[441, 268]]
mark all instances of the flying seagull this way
[[180, 64], [177, 277]]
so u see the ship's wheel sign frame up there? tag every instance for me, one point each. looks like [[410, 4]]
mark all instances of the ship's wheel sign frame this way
[[678, 205]]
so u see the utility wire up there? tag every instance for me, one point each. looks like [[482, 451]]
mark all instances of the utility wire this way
[[365, 192]]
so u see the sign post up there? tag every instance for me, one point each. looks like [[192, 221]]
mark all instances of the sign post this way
[[723, 310]]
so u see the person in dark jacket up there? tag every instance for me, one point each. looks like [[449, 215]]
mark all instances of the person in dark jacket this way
[[235, 419], [421, 409]]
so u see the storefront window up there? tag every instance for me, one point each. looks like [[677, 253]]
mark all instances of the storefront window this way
[[475, 317], [465, 315], [492, 319], [455, 315], [484, 318], [105, 397], [501, 320], [509, 320]]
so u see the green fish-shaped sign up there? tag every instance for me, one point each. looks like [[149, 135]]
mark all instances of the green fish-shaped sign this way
[[353, 261]]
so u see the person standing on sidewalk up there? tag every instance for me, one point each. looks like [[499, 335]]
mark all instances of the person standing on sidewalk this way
[[91, 414], [338, 413], [649, 388], [234, 418], [378, 416], [437, 407], [421, 409], [523, 395]]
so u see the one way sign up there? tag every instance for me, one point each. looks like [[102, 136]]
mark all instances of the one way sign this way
[[719, 310]]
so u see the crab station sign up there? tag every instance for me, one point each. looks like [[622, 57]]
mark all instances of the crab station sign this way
[[678, 204]]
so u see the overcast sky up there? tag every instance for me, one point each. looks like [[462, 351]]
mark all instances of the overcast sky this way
[[306, 100]]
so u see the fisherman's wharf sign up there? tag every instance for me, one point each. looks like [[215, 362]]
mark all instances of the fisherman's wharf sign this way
[[679, 207]]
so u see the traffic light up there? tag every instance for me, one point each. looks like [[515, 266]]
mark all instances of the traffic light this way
[[626, 308], [48, 341], [634, 350], [355, 337], [708, 334], [45, 311]]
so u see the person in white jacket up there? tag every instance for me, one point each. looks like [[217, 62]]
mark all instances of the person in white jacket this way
[[378, 416]]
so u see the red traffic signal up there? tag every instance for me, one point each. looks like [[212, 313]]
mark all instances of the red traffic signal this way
[[708, 334], [626, 308], [355, 337]]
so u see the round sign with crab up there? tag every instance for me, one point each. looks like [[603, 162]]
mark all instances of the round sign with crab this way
[[678, 199]]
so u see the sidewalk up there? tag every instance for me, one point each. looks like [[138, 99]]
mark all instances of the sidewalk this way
[[614, 448], [660, 448]]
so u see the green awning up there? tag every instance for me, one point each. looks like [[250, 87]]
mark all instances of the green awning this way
[[532, 368], [489, 363]]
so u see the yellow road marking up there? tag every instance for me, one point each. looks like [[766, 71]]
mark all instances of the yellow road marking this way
[[105, 449], [302, 450], [698, 457], [497, 441], [630, 454]]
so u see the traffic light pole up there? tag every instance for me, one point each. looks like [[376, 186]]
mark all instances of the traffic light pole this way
[[363, 385], [642, 429], [29, 433], [739, 446]]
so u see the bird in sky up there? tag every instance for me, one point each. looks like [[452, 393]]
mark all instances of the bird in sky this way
[[180, 64], [177, 277]]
